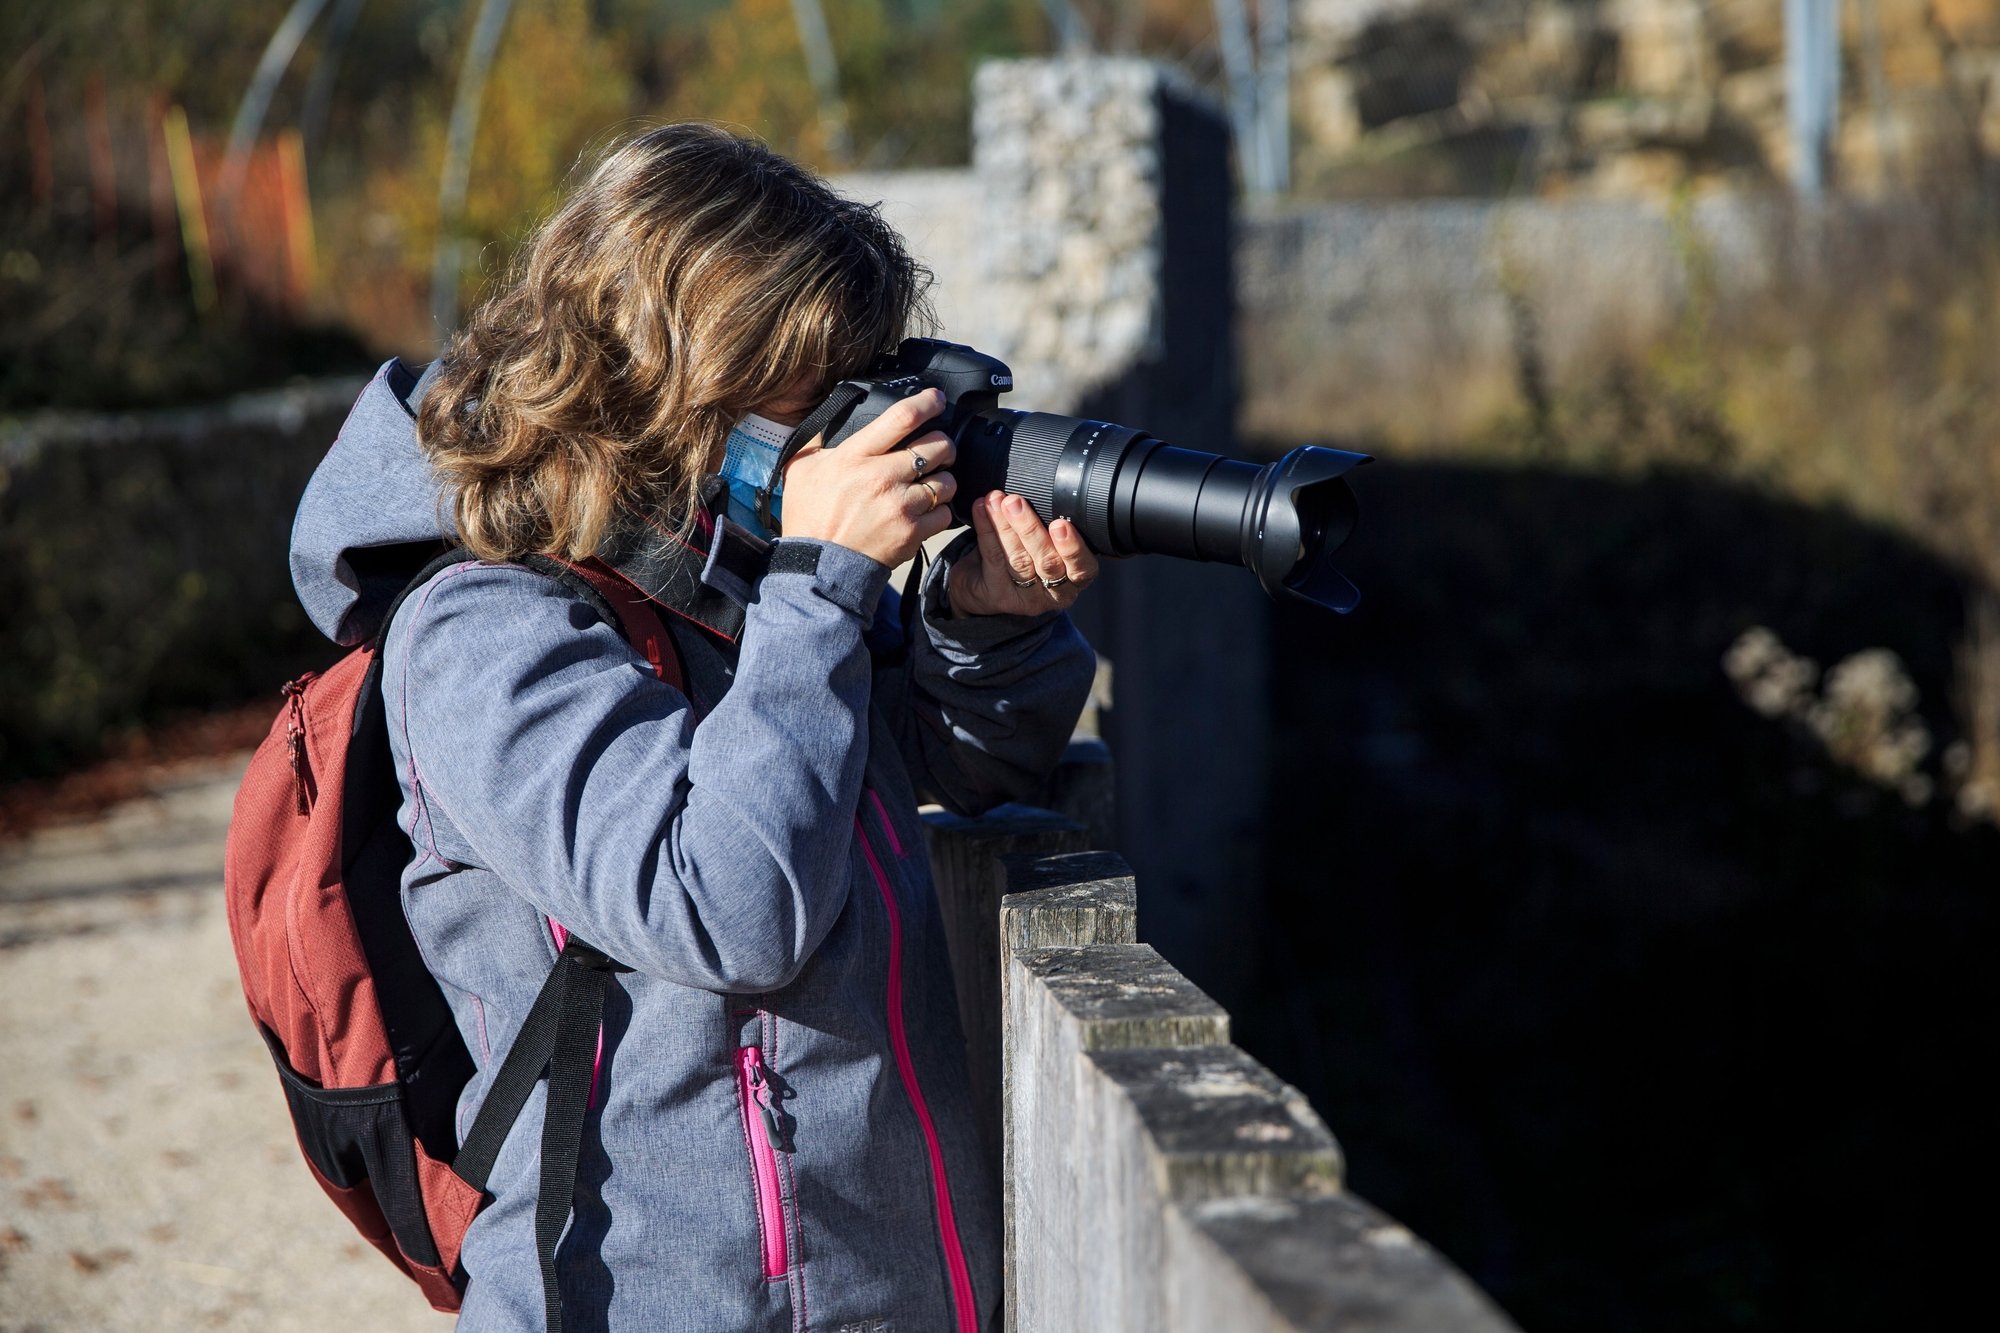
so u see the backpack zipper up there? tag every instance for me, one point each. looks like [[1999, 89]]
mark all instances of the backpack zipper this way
[[762, 1133], [965, 1319], [295, 742]]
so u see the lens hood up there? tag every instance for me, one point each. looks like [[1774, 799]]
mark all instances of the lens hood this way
[[1301, 510]]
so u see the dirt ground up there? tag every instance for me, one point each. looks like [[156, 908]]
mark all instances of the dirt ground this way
[[148, 1174]]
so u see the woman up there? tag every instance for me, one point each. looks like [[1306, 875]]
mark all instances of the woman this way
[[780, 1135]]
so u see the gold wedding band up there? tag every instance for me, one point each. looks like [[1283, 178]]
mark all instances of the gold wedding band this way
[[930, 486]]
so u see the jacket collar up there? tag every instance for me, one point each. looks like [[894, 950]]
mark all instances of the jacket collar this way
[[706, 575]]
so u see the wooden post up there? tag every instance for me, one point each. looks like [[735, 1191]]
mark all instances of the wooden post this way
[[966, 868], [1082, 790]]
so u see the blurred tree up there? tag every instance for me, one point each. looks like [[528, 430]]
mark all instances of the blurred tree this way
[[905, 74], [558, 84]]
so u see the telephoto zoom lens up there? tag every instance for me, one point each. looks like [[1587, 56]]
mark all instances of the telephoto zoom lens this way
[[1128, 492], [1132, 494]]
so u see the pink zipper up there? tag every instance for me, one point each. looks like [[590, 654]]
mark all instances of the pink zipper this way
[[954, 1253], [760, 1132]]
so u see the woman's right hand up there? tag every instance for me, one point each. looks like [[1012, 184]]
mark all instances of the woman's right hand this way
[[867, 494]]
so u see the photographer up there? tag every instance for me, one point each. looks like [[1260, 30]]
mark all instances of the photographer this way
[[779, 1133]]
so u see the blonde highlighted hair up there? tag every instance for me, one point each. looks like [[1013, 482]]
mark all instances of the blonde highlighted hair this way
[[694, 276]]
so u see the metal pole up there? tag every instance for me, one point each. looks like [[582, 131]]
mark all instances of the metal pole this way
[[1233, 27], [1072, 34], [452, 184], [319, 92], [825, 72], [271, 67], [1812, 88], [1274, 91]]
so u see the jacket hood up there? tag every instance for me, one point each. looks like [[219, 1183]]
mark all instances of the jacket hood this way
[[372, 513]]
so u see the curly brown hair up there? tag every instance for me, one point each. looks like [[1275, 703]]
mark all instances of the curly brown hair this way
[[693, 276]]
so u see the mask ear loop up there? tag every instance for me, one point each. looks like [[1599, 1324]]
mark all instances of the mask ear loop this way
[[837, 404]]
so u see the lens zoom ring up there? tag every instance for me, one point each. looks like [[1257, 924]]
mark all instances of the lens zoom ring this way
[[1097, 478], [1031, 459], [1118, 451]]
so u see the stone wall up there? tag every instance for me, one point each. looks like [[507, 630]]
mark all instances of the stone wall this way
[[1403, 319], [1407, 321], [142, 564], [1156, 1177], [1625, 98], [1090, 247]]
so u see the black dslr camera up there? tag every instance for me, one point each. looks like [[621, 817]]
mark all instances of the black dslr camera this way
[[1127, 492]]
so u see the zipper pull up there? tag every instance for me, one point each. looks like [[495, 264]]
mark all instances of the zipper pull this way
[[761, 1093], [295, 744]]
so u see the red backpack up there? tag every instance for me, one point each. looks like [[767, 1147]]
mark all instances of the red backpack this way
[[370, 1058]]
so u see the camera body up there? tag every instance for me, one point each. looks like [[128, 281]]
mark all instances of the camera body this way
[[971, 381]]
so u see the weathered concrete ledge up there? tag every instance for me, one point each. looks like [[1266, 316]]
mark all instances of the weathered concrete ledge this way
[[1159, 1177], [1155, 1176]]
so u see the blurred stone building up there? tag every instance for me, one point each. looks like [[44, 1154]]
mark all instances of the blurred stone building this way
[[1623, 97]]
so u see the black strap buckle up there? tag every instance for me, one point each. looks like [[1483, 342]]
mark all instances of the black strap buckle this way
[[589, 955]]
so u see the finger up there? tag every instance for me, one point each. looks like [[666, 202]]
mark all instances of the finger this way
[[1015, 561], [992, 555], [897, 423], [933, 492], [931, 524], [934, 448], [1077, 557], [1035, 540]]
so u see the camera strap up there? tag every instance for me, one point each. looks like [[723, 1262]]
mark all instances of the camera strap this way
[[833, 408], [912, 596]]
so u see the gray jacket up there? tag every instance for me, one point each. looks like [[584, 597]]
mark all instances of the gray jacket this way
[[781, 1137]]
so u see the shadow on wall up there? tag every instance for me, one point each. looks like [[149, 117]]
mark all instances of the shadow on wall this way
[[1632, 1001]]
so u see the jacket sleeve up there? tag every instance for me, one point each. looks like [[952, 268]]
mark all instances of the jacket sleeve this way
[[712, 856], [983, 706]]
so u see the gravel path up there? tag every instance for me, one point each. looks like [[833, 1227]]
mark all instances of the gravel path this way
[[148, 1174]]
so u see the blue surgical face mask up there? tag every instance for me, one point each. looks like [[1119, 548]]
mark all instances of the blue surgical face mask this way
[[747, 464]]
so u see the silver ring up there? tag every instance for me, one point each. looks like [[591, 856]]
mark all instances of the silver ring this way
[[918, 462], [1026, 583], [1053, 584], [930, 486]]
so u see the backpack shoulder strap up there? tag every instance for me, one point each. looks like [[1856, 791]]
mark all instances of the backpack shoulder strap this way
[[624, 607], [559, 1037], [612, 596]]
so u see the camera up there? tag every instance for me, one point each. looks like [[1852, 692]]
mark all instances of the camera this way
[[1128, 492]]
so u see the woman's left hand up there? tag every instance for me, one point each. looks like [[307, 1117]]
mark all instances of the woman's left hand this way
[[1020, 566]]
